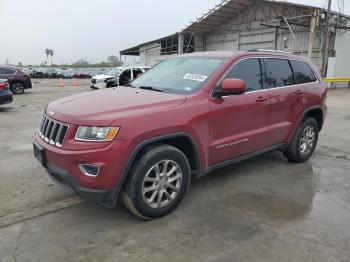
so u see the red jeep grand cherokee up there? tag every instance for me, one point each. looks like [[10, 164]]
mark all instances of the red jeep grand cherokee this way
[[185, 117]]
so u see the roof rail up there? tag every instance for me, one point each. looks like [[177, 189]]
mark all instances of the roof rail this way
[[268, 50]]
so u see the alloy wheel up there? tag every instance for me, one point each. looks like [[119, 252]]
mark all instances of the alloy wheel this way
[[162, 184], [307, 140], [17, 88]]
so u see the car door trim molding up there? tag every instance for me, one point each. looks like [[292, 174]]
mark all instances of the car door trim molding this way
[[224, 163]]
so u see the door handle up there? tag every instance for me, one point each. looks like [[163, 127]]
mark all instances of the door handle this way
[[298, 92], [261, 99]]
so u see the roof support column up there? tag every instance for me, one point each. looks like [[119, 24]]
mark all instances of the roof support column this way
[[181, 43]]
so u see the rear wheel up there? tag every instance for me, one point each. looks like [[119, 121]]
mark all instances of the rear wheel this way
[[304, 141], [157, 183], [17, 88]]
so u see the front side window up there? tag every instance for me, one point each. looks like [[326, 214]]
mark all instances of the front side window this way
[[248, 70], [279, 73], [181, 75], [124, 77], [302, 72]]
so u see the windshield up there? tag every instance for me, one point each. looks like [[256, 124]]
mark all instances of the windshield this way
[[179, 75], [114, 72]]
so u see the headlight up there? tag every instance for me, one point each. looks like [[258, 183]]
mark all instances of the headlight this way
[[96, 134]]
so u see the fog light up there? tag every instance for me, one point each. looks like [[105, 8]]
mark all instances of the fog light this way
[[89, 170]]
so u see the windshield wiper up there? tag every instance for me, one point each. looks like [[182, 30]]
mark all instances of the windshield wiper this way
[[150, 88]]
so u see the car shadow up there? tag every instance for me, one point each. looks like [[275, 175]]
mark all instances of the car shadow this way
[[7, 109], [261, 187]]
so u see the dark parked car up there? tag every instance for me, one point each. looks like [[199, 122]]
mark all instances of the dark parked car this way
[[82, 75], [5, 93], [17, 80], [37, 74]]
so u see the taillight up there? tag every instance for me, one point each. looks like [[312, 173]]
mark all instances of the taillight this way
[[4, 85]]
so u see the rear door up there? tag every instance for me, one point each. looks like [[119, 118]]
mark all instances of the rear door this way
[[286, 99], [238, 123]]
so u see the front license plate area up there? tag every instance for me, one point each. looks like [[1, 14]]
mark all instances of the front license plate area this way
[[39, 153]]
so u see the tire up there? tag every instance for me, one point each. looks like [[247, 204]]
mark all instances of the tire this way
[[304, 142], [17, 88], [145, 185]]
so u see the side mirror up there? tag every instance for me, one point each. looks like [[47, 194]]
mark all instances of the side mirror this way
[[231, 86]]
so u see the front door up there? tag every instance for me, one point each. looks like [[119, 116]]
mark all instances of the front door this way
[[239, 123]]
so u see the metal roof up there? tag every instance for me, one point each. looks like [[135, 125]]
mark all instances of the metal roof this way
[[223, 12], [214, 54], [135, 49]]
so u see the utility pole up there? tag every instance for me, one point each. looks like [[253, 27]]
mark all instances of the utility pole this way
[[325, 45], [312, 34]]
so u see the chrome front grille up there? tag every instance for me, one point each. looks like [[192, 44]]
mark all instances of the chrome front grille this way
[[52, 132]]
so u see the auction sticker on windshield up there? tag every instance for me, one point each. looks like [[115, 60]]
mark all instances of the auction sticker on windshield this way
[[195, 77]]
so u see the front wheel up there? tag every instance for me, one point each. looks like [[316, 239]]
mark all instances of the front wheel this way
[[157, 183], [304, 141], [17, 88]]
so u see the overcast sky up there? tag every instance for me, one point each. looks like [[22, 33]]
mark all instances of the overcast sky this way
[[93, 29]]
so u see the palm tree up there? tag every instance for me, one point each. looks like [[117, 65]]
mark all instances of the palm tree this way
[[47, 52], [51, 54]]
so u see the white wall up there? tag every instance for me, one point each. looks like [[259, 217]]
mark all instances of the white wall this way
[[222, 41], [342, 55], [149, 54]]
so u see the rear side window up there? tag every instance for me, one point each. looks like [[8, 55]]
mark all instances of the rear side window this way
[[279, 73], [302, 72], [248, 70], [7, 71]]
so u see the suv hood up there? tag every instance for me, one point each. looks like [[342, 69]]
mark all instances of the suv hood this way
[[101, 108]]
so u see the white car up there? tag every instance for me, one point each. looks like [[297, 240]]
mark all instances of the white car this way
[[117, 77]]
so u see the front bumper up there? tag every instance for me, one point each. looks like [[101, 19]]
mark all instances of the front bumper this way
[[98, 85], [63, 178], [63, 167]]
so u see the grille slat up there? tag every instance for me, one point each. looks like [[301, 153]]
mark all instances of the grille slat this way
[[41, 124], [58, 134], [44, 127], [52, 131], [48, 130]]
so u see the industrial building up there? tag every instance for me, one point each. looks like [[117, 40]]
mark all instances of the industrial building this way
[[237, 25]]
